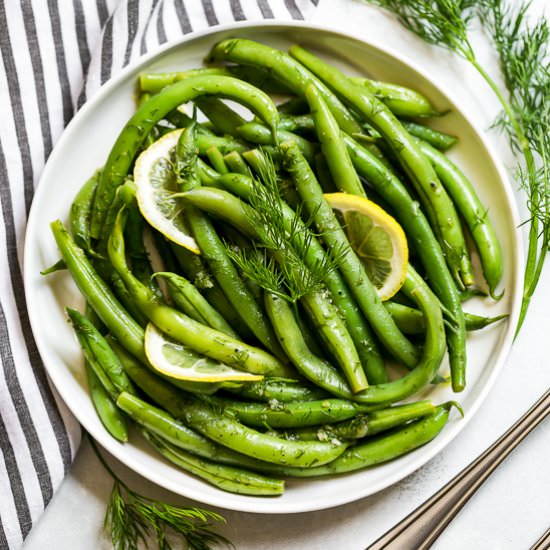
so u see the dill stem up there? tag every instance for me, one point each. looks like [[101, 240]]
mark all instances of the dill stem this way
[[101, 459], [534, 262]]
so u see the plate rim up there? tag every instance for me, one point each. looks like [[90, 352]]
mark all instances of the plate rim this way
[[256, 504]]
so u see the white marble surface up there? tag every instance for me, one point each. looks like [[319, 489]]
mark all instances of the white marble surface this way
[[510, 511]]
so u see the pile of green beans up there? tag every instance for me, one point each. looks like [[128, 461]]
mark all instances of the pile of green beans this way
[[329, 400]]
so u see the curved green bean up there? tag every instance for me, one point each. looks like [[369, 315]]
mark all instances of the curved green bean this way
[[278, 390], [420, 234], [436, 138], [80, 212], [138, 126], [334, 150], [109, 414], [383, 448], [293, 414], [366, 425], [184, 329], [435, 200], [411, 320], [358, 328], [473, 212], [321, 310], [282, 67], [400, 100], [226, 478], [350, 266]]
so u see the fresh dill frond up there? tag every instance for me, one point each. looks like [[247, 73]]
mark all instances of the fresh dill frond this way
[[440, 22], [132, 519], [523, 49], [280, 265]]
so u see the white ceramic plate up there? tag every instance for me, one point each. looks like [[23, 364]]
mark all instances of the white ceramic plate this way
[[84, 147]]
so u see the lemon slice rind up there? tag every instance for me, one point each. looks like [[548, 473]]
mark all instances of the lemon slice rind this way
[[174, 360], [154, 201], [397, 272]]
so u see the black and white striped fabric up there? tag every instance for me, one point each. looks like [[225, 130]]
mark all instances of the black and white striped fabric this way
[[54, 56]]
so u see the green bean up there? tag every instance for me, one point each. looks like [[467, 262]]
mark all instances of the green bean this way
[[228, 432], [193, 303], [194, 269], [411, 320], [350, 266], [389, 392], [138, 126], [478, 322], [60, 265], [320, 309], [154, 82], [259, 134], [98, 294], [184, 329], [215, 157], [435, 200], [474, 214], [99, 354], [292, 415], [226, 478], [109, 414], [400, 100], [436, 138], [368, 424], [224, 119], [355, 321], [79, 214], [215, 254], [236, 163], [316, 370], [408, 319], [472, 293], [334, 150], [282, 67], [293, 123], [420, 235], [161, 423], [166, 424], [382, 448], [272, 389]]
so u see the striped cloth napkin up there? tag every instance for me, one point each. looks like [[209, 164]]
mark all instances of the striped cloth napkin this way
[[55, 55]]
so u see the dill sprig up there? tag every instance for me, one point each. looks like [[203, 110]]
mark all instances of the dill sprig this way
[[524, 57], [439, 22], [132, 519], [279, 264]]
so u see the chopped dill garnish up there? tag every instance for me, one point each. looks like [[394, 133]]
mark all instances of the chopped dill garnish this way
[[280, 264]]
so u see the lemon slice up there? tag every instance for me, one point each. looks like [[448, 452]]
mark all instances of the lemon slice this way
[[378, 240], [177, 362], [155, 188]]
